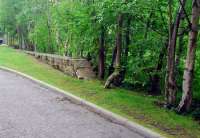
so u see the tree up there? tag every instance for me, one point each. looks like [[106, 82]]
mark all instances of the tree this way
[[116, 74], [101, 66], [188, 76], [170, 84]]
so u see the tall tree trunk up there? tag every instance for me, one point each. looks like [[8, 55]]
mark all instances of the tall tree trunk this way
[[50, 49], [180, 49], [155, 79], [127, 44], [127, 41], [101, 66], [7, 38], [111, 67], [186, 101], [170, 84], [23, 42], [115, 76], [50, 45], [57, 34], [179, 53]]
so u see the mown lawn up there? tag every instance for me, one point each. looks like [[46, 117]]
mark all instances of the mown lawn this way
[[132, 105]]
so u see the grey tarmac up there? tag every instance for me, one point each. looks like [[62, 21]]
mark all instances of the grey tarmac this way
[[29, 110]]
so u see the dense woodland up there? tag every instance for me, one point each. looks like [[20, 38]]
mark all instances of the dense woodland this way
[[148, 45]]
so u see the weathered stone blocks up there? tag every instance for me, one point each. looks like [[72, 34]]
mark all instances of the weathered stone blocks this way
[[80, 68]]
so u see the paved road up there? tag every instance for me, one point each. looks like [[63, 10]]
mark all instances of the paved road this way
[[28, 110]]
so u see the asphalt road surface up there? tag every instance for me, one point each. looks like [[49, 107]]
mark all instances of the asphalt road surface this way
[[28, 110]]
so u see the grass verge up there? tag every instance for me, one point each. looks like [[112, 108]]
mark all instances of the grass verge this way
[[135, 106]]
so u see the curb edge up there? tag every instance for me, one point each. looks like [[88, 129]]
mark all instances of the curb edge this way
[[114, 118]]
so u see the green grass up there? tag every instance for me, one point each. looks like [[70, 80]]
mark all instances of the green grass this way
[[133, 105]]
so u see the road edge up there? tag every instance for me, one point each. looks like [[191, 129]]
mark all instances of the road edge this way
[[141, 130]]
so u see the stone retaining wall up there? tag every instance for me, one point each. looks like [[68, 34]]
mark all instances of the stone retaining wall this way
[[80, 68]]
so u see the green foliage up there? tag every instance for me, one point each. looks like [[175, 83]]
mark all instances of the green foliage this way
[[73, 28]]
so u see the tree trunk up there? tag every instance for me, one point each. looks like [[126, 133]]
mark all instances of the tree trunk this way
[[50, 49], [111, 67], [49, 40], [186, 101], [180, 49], [170, 84], [155, 79], [115, 76], [179, 53], [101, 66], [126, 49], [127, 41]]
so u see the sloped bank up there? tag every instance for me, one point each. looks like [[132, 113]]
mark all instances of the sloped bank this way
[[80, 68]]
